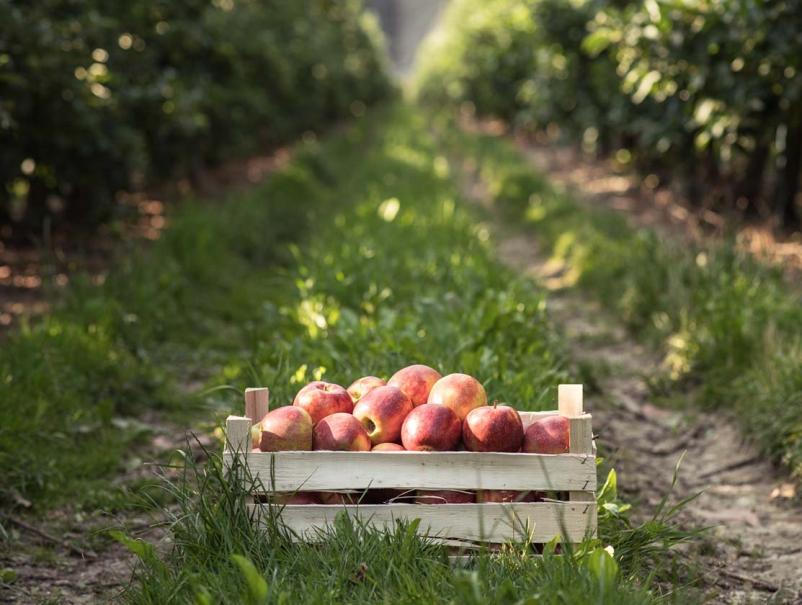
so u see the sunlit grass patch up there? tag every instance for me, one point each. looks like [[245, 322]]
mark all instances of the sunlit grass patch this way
[[367, 295]]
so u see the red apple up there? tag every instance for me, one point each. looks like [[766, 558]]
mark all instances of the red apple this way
[[286, 428], [444, 496], [415, 381], [431, 428], [460, 392], [323, 399], [256, 435], [340, 432], [493, 429], [506, 495], [382, 412], [388, 447], [549, 435], [296, 498], [360, 388], [339, 498]]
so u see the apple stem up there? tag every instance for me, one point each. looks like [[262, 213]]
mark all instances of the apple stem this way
[[495, 403]]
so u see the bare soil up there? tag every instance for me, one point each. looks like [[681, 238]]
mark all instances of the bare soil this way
[[67, 555]]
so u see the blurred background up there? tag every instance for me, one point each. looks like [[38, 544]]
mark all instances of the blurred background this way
[[99, 98]]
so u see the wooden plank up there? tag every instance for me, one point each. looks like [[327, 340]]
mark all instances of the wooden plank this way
[[257, 403], [327, 471], [581, 442], [570, 400], [581, 435], [457, 524], [238, 434]]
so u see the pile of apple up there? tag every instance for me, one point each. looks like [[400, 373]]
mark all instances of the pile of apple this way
[[416, 410]]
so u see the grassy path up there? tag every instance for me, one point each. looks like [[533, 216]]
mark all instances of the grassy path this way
[[400, 271], [359, 257], [752, 552], [753, 549], [727, 326]]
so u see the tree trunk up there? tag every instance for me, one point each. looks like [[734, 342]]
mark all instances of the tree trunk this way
[[788, 179], [751, 185]]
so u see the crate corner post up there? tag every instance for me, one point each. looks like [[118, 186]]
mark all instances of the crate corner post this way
[[238, 435], [257, 403], [570, 402]]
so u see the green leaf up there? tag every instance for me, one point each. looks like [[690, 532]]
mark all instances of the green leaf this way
[[597, 42], [143, 550], [8, 576], [616, 508], [256, 585], [609, 491], [203, 596], [412, 528], [604, 567]]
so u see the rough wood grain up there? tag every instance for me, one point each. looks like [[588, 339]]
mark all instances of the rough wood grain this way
[[324, 471], [257, 403], [581, 442], [457, 523], [238, 434]]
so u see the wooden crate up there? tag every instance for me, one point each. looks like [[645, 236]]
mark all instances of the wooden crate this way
[[573, 474]]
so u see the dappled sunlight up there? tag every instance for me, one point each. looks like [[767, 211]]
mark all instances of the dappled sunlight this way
[[784, 491], [317, 314], [407, 155], [536, 210], [304, 374], [679, 355], [389, 208]]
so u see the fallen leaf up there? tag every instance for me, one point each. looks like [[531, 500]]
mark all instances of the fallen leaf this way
[[786, 491]]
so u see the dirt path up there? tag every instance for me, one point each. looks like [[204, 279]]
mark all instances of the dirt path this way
[[67, 556], [754, 550]]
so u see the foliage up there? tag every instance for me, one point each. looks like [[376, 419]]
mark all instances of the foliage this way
[[727, 324], [708, 91], [97, 97]]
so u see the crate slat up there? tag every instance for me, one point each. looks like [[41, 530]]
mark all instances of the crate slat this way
[[326, 471], [538, 522]]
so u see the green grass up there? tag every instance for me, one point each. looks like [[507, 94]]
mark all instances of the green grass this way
[[357, 258], [730, 327], [399, 272]]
